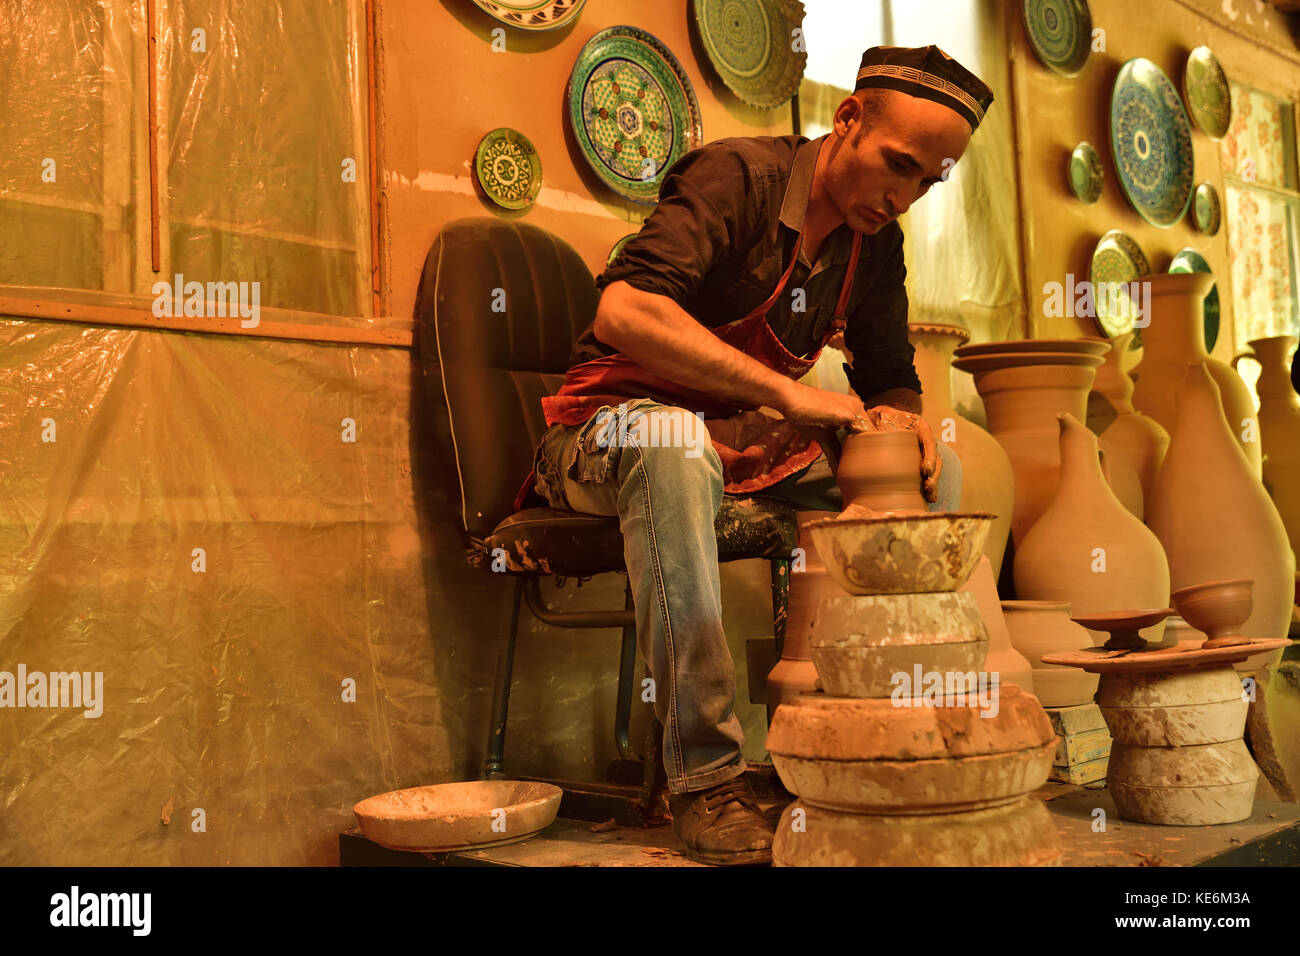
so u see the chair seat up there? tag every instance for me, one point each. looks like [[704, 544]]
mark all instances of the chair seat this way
[[550, 541]]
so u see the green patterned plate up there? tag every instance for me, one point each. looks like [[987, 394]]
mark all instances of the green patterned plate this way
[[1206, 90], [618, 247], [1085, 173], [1151, 143], [508, 168], [1060, 33], [1116, 258], [1189, 260], [533, 14], [633, 110], [1206, 210], [750, 43]]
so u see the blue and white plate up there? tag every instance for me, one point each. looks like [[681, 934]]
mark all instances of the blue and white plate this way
[[1151, 143]]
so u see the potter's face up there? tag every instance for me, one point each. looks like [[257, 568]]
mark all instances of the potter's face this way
[[880, 164]]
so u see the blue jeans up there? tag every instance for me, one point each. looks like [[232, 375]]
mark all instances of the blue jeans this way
[[666, 493]]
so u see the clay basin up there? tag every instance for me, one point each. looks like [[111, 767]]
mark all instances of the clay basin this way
[[902, 553], [1219, 608], [1088, 344], [453, 816]]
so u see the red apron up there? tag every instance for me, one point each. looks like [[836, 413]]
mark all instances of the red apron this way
[[757, 451]]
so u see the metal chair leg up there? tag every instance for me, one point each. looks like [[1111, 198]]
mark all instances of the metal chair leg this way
[[626, 676], [508, 627]]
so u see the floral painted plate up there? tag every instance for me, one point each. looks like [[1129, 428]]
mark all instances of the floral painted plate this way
[[1189, 260], [533, 14], [618, 247], [632, 109], [750, 43], [1206, 210], [1060, 33], [508, 168], [1151, 142], [1205, 87], [1085, 173], [1116, 259]]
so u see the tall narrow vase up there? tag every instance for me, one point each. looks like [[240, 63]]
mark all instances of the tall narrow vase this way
[[1087, 549], [987, 481], [1279, 428], [1173, 338], [1214, 517], [1138, 438]]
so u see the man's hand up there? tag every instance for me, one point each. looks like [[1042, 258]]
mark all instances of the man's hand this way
[[804, 405], [886, 417]]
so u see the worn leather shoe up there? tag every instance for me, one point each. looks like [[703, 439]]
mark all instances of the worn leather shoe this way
[[722, 825]]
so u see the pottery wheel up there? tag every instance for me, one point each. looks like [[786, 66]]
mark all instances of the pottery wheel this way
[[1101, 661]]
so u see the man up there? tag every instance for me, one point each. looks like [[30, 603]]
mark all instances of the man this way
[[760, 251]]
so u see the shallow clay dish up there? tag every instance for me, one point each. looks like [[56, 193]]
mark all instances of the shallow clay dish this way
[[1123, 626], [1087, 344], [458, 816], [902, 553]]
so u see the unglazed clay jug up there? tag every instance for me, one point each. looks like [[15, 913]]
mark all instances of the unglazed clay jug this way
[[1214, 517], [1175, 337], [1043, 627], [1022, 403], [1279, 428], [794, 673], [1138, 438], [1003, 659], [881, 470], [1087, 548], [987, 481]]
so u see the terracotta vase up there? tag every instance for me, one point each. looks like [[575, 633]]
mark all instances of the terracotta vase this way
[[1139, 439], [987, 481], [1002, 659], [1044, 627], [1213, 516], [794, 673], [1279, 428], [1175, 337], [881, 471], [1023, 403], [1087, 548]]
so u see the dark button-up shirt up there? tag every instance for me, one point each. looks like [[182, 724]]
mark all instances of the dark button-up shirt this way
[[723, 234]]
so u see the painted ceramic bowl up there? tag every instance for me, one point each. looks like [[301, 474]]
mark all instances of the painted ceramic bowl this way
[[457, 816], [902, 553]]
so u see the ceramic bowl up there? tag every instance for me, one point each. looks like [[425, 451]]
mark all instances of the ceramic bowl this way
[[1219, 608], [902, 553], [457, 816]]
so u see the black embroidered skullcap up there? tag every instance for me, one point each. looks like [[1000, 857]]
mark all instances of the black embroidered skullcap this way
[[927, 72]]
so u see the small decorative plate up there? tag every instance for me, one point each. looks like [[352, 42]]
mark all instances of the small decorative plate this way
[[632, 109], [750, 44], [1116, 258], [1205, 88], [1085, 173], [508, 168], [1189, 260], [1206, 210], [618, 247], [1151, 141], [1060, 33], [533, 14]]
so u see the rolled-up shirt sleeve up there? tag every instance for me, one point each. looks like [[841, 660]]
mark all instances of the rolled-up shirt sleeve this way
[[702, 215], [876, 332]]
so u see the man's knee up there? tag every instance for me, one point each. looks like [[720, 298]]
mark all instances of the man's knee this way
[[672, 439]]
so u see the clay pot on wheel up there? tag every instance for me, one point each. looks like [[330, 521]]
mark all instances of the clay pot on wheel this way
[[881, 471]]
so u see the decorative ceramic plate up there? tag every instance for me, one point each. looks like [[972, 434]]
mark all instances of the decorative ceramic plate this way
[[1116, 258], [1206, 90], [1189, 260], [508, 168], [1060, 32], [1206, 210], [533, 14], [750, 44], [1085, 173], [633, 110], [1151, 141], [618, 247]]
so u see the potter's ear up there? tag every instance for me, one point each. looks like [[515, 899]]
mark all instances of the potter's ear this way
[[847, 115]]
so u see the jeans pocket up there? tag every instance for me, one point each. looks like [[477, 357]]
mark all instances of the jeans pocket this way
[[594, 456], [548, 481]]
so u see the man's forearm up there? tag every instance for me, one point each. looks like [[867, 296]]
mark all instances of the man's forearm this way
[[901, 398], [663, 338]]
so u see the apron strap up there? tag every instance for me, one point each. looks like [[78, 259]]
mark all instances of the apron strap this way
[[840, 320]]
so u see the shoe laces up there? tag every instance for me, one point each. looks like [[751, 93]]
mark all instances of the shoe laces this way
[[736, 790]]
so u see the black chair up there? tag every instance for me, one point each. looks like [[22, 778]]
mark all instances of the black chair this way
[[484, 373]]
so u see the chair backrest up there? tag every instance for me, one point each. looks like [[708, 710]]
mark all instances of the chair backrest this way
[[499, 308]]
